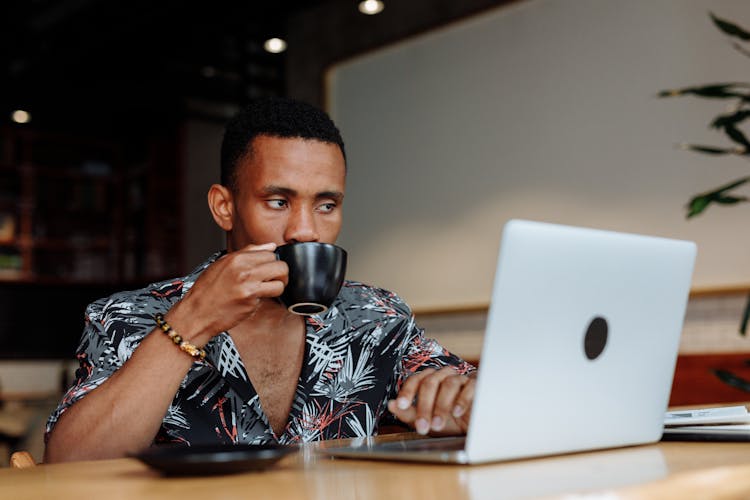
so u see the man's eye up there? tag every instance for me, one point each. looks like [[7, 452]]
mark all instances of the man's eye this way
[[327, 207], [276, 203]]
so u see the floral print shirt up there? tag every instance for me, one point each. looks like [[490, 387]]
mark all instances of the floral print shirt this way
[[357, 355]]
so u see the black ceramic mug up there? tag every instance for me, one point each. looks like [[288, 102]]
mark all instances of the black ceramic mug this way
[[316, 273]]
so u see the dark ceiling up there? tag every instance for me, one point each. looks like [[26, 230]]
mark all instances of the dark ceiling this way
[[125, 65], [96, 61]]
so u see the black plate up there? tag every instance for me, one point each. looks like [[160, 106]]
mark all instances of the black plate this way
[[181, 460]]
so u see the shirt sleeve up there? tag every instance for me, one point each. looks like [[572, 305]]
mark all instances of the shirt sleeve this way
[[422, 352], [106, 343], [418, 353]]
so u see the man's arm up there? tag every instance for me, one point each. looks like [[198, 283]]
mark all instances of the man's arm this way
[[124, 413]]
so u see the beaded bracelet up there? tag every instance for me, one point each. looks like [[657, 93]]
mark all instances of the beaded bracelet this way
[[184, 345]]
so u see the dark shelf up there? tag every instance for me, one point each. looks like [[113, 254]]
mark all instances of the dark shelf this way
[[87, 220], [82, 213]]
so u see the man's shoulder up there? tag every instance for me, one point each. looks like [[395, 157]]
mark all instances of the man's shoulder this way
[[154, 297], [158, 289], [140, 299], [357, 295]]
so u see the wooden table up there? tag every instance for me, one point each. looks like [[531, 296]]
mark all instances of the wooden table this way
[[664, 470]]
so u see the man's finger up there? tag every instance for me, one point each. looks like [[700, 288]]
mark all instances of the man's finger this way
[[409, 388], [269, 247], [462, 407], [270, 270], [270, 289], [446, 400], [426, 398], [406, 416]]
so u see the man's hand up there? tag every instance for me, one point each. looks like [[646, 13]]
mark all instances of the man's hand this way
[[229, 291], [436, 402]]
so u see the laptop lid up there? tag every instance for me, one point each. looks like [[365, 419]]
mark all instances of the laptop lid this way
[[579, 350], [581, 341]]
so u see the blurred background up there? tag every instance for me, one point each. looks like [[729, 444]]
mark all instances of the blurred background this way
[[111, 113], [457, 115]]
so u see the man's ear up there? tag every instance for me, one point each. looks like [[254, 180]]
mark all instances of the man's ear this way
[[221, 204]]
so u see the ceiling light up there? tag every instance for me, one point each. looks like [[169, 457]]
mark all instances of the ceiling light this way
[[20, 116], [371, 7], [274, 45]]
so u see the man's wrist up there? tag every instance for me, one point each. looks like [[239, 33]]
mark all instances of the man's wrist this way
[[189, 329], [191, 349]]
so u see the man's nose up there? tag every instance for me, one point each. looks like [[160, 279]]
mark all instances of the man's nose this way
[[301, 227]]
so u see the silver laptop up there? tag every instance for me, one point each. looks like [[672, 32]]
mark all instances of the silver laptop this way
[[579, 349]]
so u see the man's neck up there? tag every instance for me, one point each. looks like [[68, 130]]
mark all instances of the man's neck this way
[[270, 316]]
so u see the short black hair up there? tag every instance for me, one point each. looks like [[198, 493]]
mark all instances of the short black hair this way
[[275, 117]]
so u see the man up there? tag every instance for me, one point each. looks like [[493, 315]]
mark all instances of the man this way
[[267, 375]]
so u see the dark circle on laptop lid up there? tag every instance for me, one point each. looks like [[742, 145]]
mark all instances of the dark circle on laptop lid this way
[[596, 337]]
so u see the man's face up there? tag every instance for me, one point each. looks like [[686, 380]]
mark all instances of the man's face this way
[[288, 190]]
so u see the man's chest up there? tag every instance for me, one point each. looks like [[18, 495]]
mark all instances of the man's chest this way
[[318, 385], [274, 375], [273, 368]]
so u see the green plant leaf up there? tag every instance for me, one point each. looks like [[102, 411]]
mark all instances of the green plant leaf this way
[[712, 91], [729, 200], [731, 379], [734, 184], [709, 150], [728, 123], [697, 205], [700, 202], [729, 28], [722, 121], [745, 318], [737, 136]]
